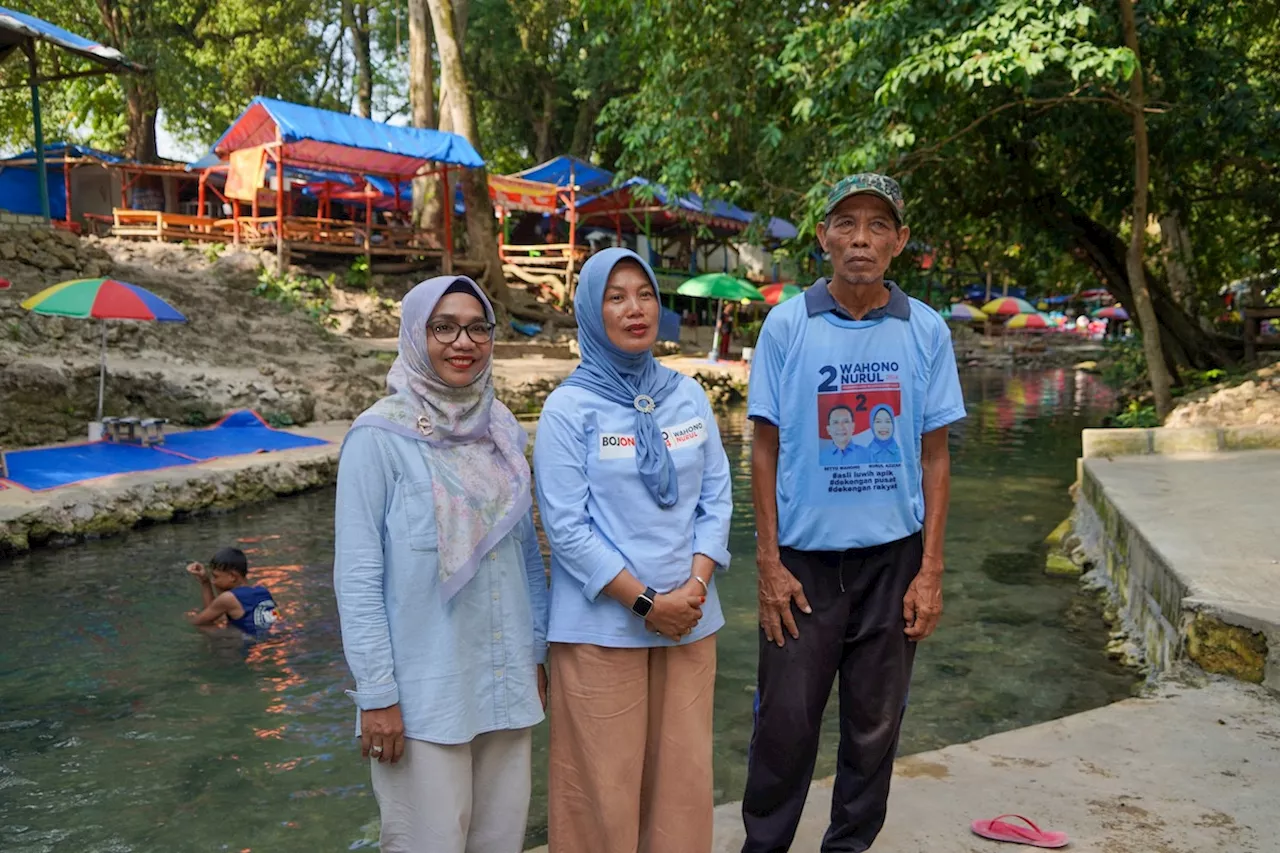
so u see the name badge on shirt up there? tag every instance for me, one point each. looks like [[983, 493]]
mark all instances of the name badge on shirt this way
[[615, 445]]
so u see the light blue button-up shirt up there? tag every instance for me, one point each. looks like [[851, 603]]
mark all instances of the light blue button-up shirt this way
[[457, 669], [600, 518]]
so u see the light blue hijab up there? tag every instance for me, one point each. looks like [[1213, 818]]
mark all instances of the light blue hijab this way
[[625, 378]]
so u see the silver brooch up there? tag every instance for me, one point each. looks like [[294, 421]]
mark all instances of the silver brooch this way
[[424, 425], [644, 404]]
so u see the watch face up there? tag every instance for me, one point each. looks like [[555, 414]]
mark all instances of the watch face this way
[[642, 606]]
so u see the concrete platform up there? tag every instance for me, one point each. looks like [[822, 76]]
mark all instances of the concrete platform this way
[[1189, 545], [1195, 769]]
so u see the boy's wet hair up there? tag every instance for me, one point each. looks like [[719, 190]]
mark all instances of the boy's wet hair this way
[[230, 560]]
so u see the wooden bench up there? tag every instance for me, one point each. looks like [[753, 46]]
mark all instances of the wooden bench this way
[[1253, 318]]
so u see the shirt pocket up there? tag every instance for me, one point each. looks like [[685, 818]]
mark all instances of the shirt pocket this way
[[420, 515]]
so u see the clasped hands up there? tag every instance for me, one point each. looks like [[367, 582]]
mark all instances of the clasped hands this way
[[676, 613]]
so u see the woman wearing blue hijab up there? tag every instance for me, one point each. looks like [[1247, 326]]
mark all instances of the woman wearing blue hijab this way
[[634, 489], [883, 446]]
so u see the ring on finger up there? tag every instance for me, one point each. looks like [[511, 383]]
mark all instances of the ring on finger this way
[[375, 750]]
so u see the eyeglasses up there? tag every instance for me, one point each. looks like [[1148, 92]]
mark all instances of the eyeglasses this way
[[447, 333]]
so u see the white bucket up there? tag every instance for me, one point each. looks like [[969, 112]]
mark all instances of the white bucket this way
[[95, 431]]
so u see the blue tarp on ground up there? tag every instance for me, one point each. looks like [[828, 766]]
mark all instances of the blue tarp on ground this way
[[326, 139], [239, 433], [19, 192], [50, 467]]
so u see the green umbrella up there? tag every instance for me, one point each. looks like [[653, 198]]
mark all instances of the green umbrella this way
[[721, 286], [718, 285]]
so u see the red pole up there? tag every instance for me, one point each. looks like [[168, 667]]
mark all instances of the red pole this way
[[368, 223], [204, 177], [447, 264]]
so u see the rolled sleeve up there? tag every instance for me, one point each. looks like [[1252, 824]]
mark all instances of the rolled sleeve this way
[[560, 467], [715, 501], [536, 571], [766, 372], [944, 399], [359, 515]]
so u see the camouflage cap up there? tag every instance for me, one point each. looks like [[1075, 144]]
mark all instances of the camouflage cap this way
[[881, 186]]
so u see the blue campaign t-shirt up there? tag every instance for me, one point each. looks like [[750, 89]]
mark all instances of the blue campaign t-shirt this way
[[851, 399], [260, 611]]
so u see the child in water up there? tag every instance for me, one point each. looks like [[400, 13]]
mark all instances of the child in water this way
[[227, 592]]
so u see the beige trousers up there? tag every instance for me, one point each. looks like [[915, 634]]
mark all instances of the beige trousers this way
[[469, 798], [630, 764]]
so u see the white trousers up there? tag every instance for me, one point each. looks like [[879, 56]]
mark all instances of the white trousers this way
[[469, 798]]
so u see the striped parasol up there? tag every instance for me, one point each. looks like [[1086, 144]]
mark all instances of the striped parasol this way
[[1113, 312], [102, 299], [1007, 306], [962, 312], [778, 292], [1027, 321]]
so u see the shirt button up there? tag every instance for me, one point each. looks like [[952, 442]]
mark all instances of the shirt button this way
[[497, 673], [497, 635], [493, 555], [495, 596]]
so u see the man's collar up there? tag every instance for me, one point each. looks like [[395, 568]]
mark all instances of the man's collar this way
[[818, 300]]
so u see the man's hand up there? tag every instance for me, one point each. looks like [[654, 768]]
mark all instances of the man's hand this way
[[675, 613], [778, 588], [196, 570], [922, 605], [382, 734], [542, 685]]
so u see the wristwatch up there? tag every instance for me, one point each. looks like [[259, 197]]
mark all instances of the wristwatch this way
[[644, 602]]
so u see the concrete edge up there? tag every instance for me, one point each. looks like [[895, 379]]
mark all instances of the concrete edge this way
[[1175, 441]]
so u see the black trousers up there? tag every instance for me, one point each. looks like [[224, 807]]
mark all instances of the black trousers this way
[[856, 631]]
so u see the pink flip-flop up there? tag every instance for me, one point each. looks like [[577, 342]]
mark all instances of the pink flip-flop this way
[[997, 830]]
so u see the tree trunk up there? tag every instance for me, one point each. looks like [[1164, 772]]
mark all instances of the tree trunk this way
[[355, 17], [460, 8], [1157, 369], [542, 125], [482, 243], [1175, 250], [427, 212], [143, 104], [584, 126]]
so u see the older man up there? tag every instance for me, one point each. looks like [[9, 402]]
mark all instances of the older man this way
[[849, 556]]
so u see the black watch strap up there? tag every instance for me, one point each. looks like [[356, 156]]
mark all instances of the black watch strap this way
[[644, 602]]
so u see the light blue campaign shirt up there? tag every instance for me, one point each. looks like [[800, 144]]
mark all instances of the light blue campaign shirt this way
[[600, 518], [896, 371], [457, 669]]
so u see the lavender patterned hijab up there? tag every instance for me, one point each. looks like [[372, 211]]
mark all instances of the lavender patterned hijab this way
[[472, 444]]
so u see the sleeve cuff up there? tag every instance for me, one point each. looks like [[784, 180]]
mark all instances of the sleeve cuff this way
[[600, 579], [720, 556], [384, 696], [763, 417], [540, 652], [943, 418]]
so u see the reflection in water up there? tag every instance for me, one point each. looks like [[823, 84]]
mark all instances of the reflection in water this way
[[123, 729]]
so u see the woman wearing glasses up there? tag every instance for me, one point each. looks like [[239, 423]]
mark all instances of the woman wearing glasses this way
[[441, 589]]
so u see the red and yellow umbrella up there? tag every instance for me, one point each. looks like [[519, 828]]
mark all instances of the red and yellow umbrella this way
[[1027, 321], [778, 292], [102, 299], [1008, 306]]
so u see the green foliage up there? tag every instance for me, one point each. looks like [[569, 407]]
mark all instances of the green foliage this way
[[1137, 416], [359, 273], [304, 293], [195, 418], [750, 332], [1124, 364], [213, 251], [279, 420]]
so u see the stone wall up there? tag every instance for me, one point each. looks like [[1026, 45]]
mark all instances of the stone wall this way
[[1173, 441], [21, 221]]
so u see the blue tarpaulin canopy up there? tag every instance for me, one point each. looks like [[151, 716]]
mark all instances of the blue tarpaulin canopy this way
[[566, 170], [333, 141], [21, 31], [19, 184]]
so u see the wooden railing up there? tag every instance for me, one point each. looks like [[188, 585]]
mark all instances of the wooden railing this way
[[549, 267], [158, 225]]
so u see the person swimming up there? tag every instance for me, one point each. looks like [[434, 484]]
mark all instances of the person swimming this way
[[227, 593]]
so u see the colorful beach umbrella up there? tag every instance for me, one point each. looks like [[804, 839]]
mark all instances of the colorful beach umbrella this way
[[1008, 306], [1027, 321], [1113, 312], [777, 292], [962, 312], [102, 299]]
